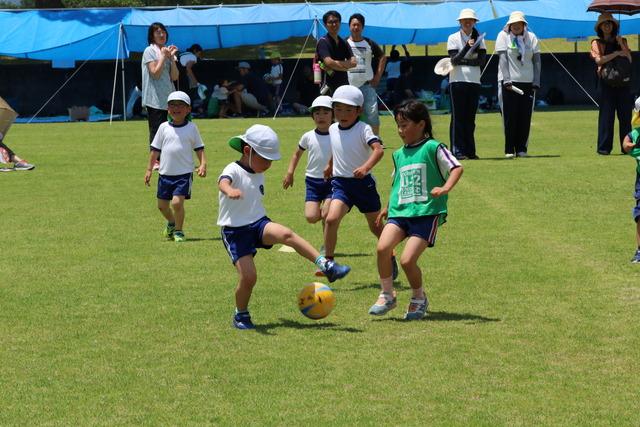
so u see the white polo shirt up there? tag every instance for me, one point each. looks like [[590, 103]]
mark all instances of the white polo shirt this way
[[248, 208], [464, 73], [350, 147], [519, 71], [176, 144], [318, 148]]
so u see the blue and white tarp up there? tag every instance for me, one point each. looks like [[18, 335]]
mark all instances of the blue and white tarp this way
[[79, 34]]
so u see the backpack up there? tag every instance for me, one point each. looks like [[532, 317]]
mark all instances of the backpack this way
[[617, 72]]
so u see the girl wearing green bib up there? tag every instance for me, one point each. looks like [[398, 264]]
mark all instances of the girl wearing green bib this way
[[425, 171]]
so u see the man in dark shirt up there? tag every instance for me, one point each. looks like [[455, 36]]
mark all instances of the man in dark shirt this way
[[334, 52]]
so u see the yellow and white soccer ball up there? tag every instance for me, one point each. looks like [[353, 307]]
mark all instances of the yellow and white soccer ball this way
[[316, 300]]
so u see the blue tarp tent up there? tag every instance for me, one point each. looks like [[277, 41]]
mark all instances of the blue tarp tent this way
[[79, 34]]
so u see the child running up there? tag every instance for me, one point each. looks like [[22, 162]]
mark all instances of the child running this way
[[317, 144], [630, 146], [244, 222], [175, 139], [355, 151], [425, 171]]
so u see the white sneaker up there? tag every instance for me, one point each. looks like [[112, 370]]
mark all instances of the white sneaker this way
[[509, 155]]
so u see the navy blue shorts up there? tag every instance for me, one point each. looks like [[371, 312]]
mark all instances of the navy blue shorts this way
[[359, 192], [241, 241], [174, 185], [424, 227], [636, 210], [318, 189]]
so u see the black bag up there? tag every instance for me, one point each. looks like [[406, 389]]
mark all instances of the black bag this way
[[617, 72]]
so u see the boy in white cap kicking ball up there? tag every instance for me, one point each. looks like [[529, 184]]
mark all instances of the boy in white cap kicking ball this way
[[176, 139], [243, 220]]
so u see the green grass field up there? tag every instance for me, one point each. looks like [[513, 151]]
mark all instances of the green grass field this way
[[534, 303]]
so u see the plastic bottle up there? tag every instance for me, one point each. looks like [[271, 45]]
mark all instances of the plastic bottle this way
[[317, 74], [326, 69]]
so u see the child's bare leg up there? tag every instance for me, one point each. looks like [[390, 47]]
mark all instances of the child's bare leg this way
[[275, 233], [312, 212], [337, 210], [324, 210], [414, 247], [248, 277], [391, 237], [165, 210], [371, 221], [177, 204]]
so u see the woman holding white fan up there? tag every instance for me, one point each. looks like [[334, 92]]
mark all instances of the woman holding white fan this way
[[518, 80]]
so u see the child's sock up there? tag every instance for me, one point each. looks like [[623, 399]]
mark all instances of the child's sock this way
[[387, 284], [418, 293], [241, 311], [321, 261]]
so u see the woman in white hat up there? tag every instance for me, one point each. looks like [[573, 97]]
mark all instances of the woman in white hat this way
[[518, 80], [467, 57], [606, 48]]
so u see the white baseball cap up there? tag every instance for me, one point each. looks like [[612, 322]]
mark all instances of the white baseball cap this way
[[262, 139], [349, 95], [321, 101], [244, 64], [443, 67], [178, 95], [468, 14], [636, 106]]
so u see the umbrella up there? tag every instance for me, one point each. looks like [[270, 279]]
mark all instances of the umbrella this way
[[7, 116], [625, 7]]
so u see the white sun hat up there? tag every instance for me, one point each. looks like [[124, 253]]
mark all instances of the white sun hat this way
[[637, 104], [468, 14], [178, 95], [517, 16], [443, 67], [321, 101], [349, 95], [262, 139]]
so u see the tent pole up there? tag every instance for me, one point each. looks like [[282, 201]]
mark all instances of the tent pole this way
[[115, 75], [124, 96]]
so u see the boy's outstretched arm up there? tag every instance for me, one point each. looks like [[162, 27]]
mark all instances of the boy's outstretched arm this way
[[202, 169], [454, 177], [224, 185], [153, 157], [293, 164], [374, 158]]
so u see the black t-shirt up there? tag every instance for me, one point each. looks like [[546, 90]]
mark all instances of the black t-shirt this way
[[340, 51]]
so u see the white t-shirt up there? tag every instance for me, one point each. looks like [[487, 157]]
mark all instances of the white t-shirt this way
[[187, 57], [155, 91], [177, 144], [362, 72], [247, 209], [350, 147], [276, 70], [519, 70], [446, 160], [464, 73], [318, 148], [220, 92]]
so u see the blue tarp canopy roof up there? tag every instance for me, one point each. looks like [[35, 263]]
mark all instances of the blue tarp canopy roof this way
[[79, 34]]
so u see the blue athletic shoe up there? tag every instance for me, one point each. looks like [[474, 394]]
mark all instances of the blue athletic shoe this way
[[636, 257], [390, 303], [394, 266], [243, 321], [335, 271], [417, 309]]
